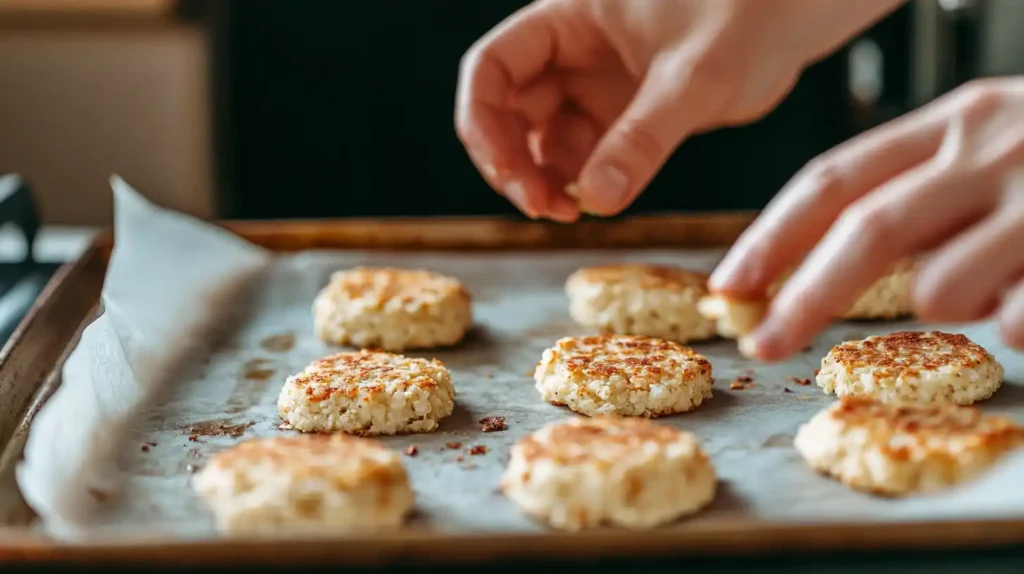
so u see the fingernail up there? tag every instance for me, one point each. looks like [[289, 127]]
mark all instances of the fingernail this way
[[755, 344], [516, 193], [608, 185], [748, 346]]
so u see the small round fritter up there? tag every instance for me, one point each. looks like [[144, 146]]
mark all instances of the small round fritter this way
[[902, 448], [638, 299], [920, 367], [889, 297], [368, 393], [733, 318], [623, 375], [609, 471], [392, 309], [305, 485]]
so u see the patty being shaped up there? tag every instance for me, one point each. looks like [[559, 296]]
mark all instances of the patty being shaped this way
[[392, 309], [305, 485], [368, 393], [623, 472], [889, 297], [639, 299], [920, 367], [623, 375], [733, 318], [902, 448]]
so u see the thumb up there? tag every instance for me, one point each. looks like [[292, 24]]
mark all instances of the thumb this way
[[665, 110]]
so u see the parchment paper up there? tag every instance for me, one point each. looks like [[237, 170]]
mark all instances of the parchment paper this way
[[113, 450]]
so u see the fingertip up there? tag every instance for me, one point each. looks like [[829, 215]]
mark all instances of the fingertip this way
[[605, 189], [562, 208]]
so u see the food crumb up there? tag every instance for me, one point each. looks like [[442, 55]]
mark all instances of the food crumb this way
[[478, 450], [191, 469], [151, 443], [460, 458], [412, 451], [816, 371], [786, 390], [739, 385], [799, 381], [98, 495], [193, 438], [145, 448], [492, 424], [285, 426], [453, 445], [744, 379]]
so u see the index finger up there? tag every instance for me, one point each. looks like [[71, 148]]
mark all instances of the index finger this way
[[793, 223], [510, 56]]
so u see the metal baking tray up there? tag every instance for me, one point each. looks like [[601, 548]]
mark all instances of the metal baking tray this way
[[742, 519]]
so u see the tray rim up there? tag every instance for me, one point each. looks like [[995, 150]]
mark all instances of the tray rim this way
[[473, 233]]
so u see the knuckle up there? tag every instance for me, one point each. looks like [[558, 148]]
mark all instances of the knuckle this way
[[978, 97], [821, 178], [872, 226], [639, 138]]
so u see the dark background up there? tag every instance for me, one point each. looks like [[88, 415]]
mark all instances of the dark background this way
[[338, 109]]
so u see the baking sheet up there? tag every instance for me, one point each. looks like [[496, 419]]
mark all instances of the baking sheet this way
[[520, 309]]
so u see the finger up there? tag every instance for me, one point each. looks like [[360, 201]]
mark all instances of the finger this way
[[793, 223], [964, 279], [1011, 317], [602, 95], [566, 142], [670, 104], [894, 221], [495, 135], [539, 100]]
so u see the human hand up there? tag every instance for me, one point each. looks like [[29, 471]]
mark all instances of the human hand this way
[[947, 180], [601, 92]]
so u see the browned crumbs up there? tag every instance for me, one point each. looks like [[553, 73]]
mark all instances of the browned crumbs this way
[[739, 385], [744, 379], [279, 343], [799, 381], [478, 450], [786, 390], [453, 445], [191, 469], [151, 443], [492, 424], [145, 448], [98, 495], [217, 428], [460, 458], [412, 451], [816, 371]]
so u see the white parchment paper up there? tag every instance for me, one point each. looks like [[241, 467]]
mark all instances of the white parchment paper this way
[[111, 453]]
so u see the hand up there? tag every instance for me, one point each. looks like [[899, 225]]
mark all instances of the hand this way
[[601, 92], [947, 179]]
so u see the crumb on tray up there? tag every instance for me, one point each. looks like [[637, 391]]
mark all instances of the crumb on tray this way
[[492, 424]]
